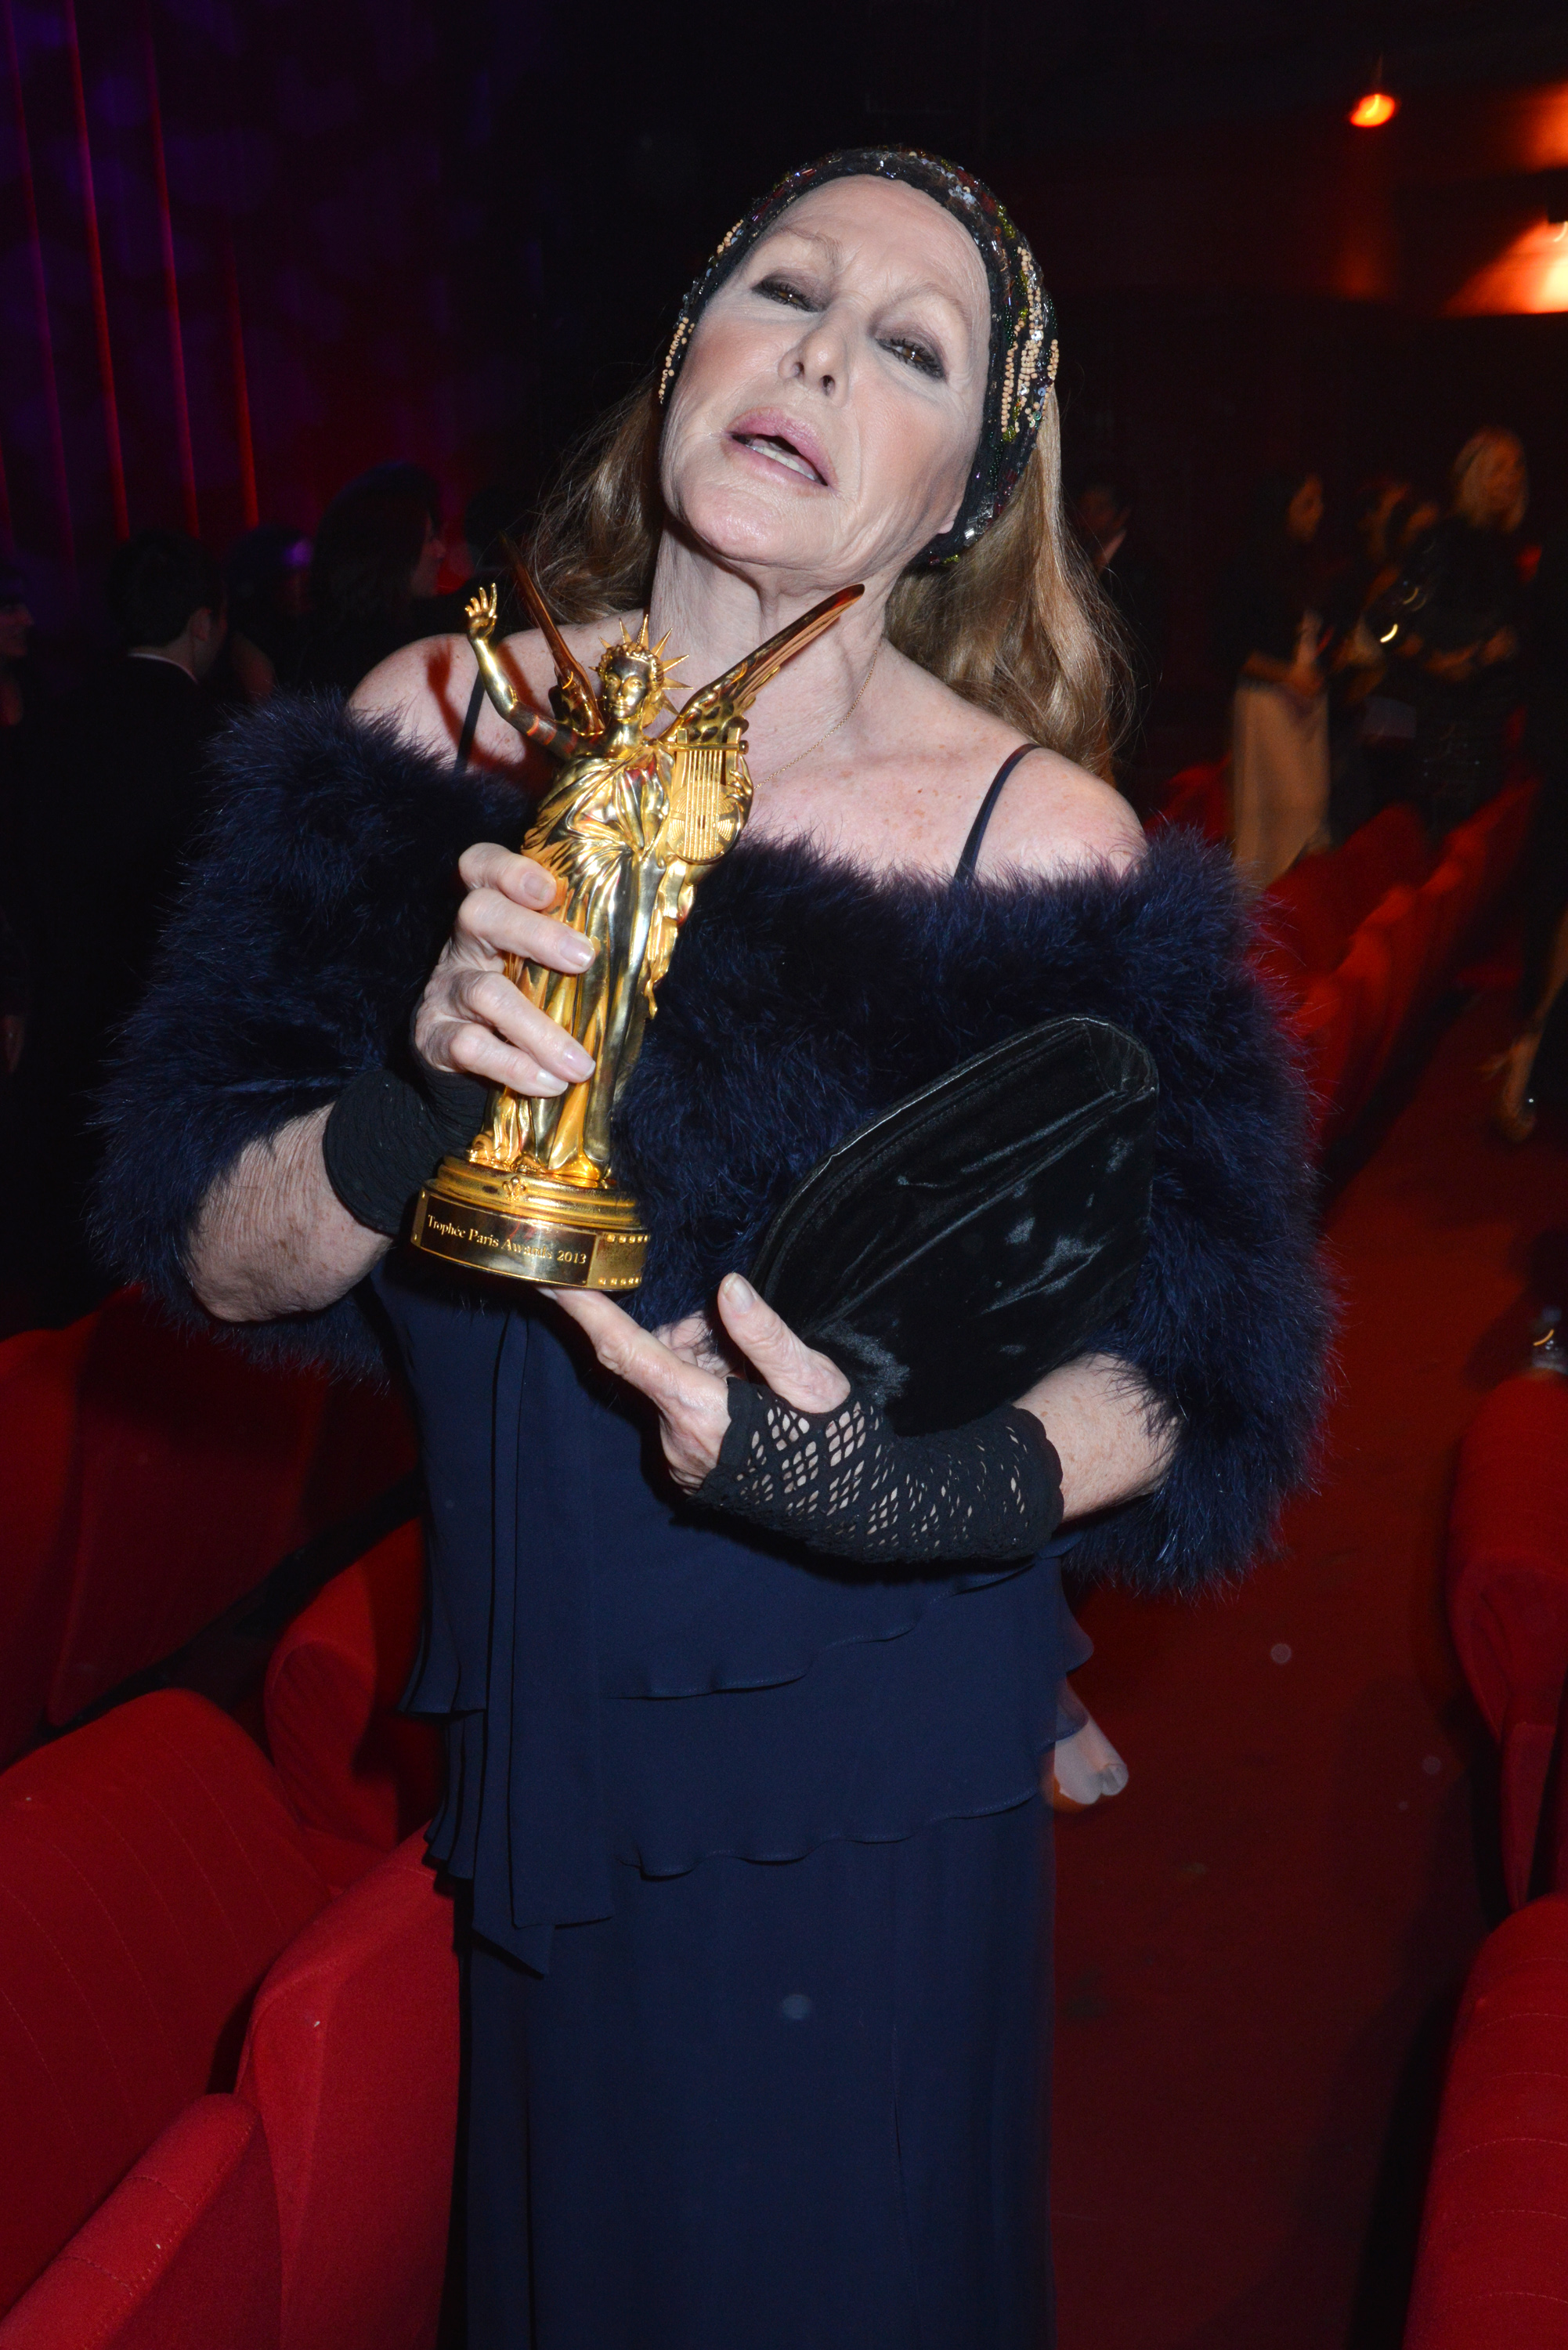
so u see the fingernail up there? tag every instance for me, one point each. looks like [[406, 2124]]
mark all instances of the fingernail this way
[[741, 1292], [577, 1062], [579, 950]]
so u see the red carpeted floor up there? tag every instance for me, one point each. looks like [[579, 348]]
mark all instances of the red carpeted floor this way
[[1260, 1943]]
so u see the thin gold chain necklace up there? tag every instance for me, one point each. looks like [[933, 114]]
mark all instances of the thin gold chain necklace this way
[[774, 772]]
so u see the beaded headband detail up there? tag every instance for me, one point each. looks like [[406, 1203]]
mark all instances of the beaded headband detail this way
[[1025, 351]]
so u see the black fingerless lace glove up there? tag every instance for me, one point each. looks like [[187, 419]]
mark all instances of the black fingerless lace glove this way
[[388, 1134], [842, 1482]]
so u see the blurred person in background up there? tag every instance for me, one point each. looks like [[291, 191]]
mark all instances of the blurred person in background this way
[[1359, 659], [1460, 631], [116, 795], [1534, 1069], [1269, 630], [374, 573], [495, 511], [1135, 586], [265, 575], [1388, 712]]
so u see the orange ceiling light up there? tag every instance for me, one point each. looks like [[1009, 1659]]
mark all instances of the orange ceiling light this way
[[1372, 111], [1529, 278]]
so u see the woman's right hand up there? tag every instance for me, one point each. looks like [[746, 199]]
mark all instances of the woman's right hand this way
[[474, 1019], [1304, 680]]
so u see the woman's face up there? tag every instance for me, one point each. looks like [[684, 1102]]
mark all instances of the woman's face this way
[[827, 414], [1304, 512]]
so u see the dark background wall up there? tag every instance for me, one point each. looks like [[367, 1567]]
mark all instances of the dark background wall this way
[[407, 228]]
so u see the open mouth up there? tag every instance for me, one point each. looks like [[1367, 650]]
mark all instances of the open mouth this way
[[780, 450]]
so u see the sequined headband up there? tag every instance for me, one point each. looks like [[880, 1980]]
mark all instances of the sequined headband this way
[[1022, 365]]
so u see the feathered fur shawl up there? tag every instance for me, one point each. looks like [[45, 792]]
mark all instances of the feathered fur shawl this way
[[804, 996]]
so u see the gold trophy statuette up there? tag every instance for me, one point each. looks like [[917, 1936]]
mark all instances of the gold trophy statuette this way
[[628, 827]]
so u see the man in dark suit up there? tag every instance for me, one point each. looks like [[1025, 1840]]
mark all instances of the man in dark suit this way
[[115, 793], [1136, 588]]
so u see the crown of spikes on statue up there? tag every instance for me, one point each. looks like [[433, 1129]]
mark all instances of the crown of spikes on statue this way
[[648, 658]]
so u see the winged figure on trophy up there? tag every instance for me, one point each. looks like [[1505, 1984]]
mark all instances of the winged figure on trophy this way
[[628, 827]]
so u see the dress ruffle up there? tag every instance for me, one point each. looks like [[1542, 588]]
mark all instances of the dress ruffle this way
[[626, 1681]]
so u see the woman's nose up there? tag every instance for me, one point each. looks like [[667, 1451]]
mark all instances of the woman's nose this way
[[819, 359]]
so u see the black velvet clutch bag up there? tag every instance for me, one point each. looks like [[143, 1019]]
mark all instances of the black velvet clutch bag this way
[[977, 1233]]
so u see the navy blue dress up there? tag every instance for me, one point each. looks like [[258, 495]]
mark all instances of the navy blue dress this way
[[758, 1980], [759, 1903]]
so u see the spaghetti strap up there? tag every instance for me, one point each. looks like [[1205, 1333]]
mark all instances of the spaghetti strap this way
[[971, 847], [470, 727]]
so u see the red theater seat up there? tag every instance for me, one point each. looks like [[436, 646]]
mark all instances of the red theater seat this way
[[349, 1764], [1301, 910], [1508, 1591], [1392, 849], [1366, 975], [185, 2251], [149, 1873], [1316, 907], [352, 2064], [366, 1444], [1324, 1025], [1450, 899], [1404, 918], [1500, 826], [195, 1472], [1492, 2271], [1200, 798], [39, 1371], [190, 1464]]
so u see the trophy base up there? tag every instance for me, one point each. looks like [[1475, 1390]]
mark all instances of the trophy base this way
[[529, 1227]]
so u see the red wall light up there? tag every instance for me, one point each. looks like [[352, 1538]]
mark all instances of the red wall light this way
[[1371, 112]]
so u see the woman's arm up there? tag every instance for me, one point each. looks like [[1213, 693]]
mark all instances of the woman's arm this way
[[1113, 1443], [1300, 678], [1095, 1413], [271, 1236]]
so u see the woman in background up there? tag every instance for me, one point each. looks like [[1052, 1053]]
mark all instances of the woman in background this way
[[265, 574], [373, 576], [1269, 635], [1462, 603]]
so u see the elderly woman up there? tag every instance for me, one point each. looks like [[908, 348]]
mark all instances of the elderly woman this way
[[757, 1959]]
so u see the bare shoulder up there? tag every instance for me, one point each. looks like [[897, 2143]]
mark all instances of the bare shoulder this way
[[425, 690], [1052, 816], [1055, 817]]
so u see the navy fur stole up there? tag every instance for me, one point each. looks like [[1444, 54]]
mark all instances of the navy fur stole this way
[[323, 891], [804, 996]]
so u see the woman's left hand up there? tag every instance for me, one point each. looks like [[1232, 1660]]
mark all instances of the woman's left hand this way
[[681, 1374]]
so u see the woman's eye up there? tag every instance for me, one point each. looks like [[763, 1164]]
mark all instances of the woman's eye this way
[[917, 355], [779, 289]]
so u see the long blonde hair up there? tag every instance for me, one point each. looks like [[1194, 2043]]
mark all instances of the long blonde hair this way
[[1016, 624]]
